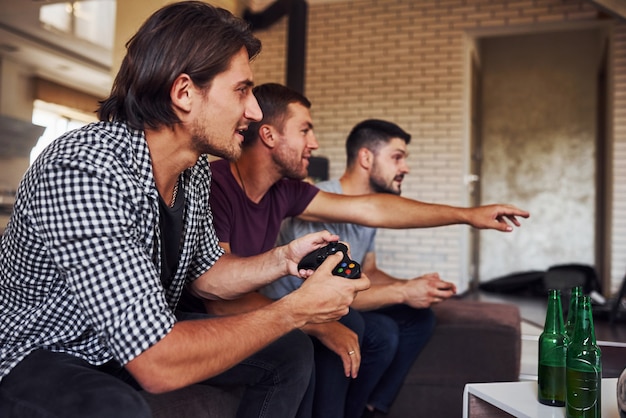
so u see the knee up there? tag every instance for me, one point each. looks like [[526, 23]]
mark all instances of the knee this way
[[429, 321], [382, 335], [127, 404], [95, 402], [354, 320], [297, 353]]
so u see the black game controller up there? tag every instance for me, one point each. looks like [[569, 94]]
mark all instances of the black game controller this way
[[347, 268]]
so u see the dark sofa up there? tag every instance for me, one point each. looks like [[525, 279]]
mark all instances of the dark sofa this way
[[473, 342]]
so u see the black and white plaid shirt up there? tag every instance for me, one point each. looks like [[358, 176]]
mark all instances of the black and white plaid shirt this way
[[80, 259]]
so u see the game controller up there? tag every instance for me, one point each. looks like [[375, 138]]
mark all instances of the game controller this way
[[347, 268]]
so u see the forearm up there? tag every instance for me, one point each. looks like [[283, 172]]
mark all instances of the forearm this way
[[391, 211], [382, 210], [246, 303], [232, 277], [318, 330], [397, 212], [197, 350], [379, 296], [385, 289]]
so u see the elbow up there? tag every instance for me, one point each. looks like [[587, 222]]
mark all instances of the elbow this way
[[153, 381], [152, 375], [156, 388], [217, 296], [223, 293]]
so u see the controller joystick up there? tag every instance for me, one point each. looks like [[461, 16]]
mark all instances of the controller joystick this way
[[346, 268]]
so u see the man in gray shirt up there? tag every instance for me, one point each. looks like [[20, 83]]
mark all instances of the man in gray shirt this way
[[397, 315]]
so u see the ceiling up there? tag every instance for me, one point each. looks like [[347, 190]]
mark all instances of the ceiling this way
[[83, 65], [53, 56], [59, 57]]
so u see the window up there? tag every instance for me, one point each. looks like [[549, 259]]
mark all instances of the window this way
[[90, 20], [57, 120]]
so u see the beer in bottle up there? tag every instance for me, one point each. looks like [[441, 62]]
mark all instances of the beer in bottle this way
[[571, 313], [583, 374], [552, 352]]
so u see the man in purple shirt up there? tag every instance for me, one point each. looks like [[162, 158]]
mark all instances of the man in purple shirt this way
[[252, 195]]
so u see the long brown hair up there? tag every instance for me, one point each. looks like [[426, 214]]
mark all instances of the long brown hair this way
[[189, 37]]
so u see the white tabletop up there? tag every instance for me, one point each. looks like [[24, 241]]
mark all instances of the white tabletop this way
[[520, 399]]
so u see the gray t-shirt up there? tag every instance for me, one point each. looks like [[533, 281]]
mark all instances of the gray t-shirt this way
[[360, 239]]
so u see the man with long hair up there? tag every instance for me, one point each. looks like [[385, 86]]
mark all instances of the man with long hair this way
[[112, 221]]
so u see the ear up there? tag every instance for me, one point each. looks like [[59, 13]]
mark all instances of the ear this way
[[267, 135], [365, 158], [181, 93]]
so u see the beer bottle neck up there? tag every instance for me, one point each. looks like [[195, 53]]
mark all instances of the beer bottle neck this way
[[554, 315]]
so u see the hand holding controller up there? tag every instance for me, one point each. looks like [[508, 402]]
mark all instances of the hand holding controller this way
[[346, 268]]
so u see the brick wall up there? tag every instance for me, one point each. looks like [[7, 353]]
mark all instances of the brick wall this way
[[404, 60], [619, 159]]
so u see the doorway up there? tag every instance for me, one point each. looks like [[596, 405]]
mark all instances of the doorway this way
[[536, 142]]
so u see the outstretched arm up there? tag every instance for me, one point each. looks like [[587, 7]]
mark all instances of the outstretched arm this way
[[391, 211]]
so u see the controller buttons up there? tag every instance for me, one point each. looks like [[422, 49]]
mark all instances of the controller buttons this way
[[346, 268]]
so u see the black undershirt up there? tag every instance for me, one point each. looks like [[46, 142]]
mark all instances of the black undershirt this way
[[171, 222]]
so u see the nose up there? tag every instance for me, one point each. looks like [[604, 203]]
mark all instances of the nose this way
[[312, 142], [253, 110], [404, 168]]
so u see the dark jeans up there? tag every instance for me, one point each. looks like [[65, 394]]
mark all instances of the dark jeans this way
[[394, 337], [47, 384], [331, 384]]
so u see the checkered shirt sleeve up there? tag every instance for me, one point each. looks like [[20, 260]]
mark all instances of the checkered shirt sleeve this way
[[80, 259]]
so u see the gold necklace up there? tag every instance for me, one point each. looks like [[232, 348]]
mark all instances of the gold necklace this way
[[175, 193], [243, 185]]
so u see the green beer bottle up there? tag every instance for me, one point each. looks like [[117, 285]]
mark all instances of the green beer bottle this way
[[583, 374], [571, 313], [552, 352]]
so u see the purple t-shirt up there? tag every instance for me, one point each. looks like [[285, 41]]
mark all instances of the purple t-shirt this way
[[248, 227]]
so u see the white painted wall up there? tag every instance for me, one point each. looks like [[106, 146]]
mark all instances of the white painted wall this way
[[539, 98]]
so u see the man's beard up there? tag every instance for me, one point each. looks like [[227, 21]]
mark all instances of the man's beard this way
[[379, 186], [203, 146], [288, 170]]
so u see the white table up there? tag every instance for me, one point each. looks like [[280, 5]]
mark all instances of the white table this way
[[519, 399]]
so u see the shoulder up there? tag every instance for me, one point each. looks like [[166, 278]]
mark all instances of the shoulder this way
[[331, 186], [294, 184], [294, 190], [221, 175], [103, 149], [220, 166]]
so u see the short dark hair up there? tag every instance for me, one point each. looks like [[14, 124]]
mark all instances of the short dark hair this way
[[274, 100], [372, 134], [190, 37]]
